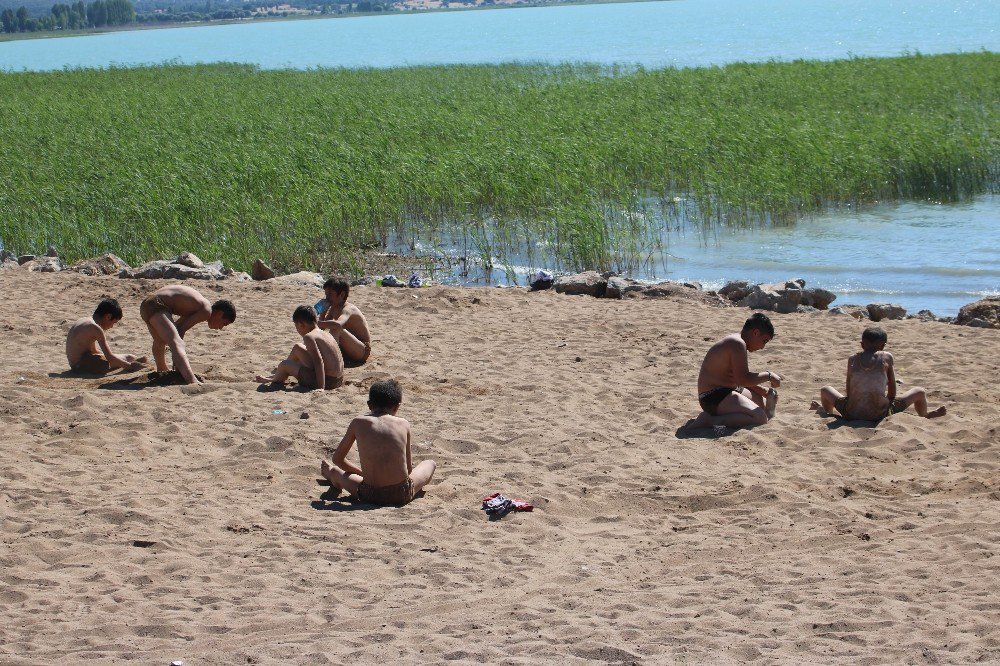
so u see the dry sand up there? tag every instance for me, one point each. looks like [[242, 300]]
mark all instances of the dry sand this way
[[160, 523]]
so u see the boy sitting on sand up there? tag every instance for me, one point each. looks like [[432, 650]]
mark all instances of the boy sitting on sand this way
[[190, 308], [727, 391], [315, 362], [344, 321], [85, 335], [386, 476], [871, 386]]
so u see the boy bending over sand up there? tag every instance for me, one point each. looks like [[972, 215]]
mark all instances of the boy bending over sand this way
[[871, 386], [344, 321], [190, 308], [315, 362], [727, 391], [85, 335], [386, 476]]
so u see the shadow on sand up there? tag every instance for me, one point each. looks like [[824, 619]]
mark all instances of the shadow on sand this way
[[688, 431], [148, 380]]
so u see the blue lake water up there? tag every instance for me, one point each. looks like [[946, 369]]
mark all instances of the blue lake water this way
[[681, 33], [923, 255]]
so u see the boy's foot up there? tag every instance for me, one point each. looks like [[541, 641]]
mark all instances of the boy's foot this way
[[263, 380], [770, 402], [940, 411], [324, 470]]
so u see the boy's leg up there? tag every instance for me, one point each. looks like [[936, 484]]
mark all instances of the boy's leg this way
[[289, 367], [917, 397], [737, 410], [163, 329], [340, 478], [830, 400], [159, 350], [352, 348], [421, 475]]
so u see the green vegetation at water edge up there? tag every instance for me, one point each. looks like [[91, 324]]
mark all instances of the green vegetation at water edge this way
[[305, 168]]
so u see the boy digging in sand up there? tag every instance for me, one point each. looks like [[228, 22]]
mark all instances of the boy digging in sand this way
[[84, 337], [727, 391], [386, 476], [190, 308], [315, 362], [344, 321], [871, 386]]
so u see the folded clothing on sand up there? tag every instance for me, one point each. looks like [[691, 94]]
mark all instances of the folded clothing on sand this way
[[498, 506]]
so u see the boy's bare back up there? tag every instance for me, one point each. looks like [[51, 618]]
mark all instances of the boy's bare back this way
[[383, 447], [868, 377], [82, 338]]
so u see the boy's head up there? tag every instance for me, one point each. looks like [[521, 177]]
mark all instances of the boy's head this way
[[874, 339], [108, 313], [385, 396], [757, 331], [223, 314], [337, 289], [304, 319]]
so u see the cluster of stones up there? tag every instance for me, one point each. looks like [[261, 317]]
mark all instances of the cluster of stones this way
[[787, 297], [185, 266]]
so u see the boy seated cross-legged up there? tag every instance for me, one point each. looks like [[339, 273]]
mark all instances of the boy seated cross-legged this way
[[729, 394], [387, 476], [871, 386], [87, 334], [316, 361]]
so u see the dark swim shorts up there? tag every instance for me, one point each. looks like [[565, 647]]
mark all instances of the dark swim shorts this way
[[710, 400], [307, 379], [92, 364], [150, 306], [396, 495]]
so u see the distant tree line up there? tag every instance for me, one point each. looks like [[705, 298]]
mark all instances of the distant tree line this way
[[97, 14]]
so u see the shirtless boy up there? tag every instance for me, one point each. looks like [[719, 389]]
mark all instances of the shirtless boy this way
[[315, 362], [728, 392], [190, 308], [344, 321], [386, 476], [871, 386], [87, 334]]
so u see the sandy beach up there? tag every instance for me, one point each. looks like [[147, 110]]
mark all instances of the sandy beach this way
[[149, 524]]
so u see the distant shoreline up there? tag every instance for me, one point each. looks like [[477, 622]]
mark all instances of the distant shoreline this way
[[59, 34]]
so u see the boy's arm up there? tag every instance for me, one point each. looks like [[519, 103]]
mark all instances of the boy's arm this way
[[741, 369], [184, 324], [102, 341], [890, 375], [409, 460], [317, 362], [340, 455]]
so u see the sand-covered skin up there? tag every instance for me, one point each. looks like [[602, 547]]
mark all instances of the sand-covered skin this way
[[805, 540]]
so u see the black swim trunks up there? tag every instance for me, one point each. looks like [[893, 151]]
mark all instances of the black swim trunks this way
[[710, 400]]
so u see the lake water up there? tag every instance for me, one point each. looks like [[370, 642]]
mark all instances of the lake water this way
[[682, 33], [922, 255], [936, 256]]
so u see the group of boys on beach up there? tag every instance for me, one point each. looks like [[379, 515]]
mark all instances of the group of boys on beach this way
[[728, 392], [339, 331], [731, 395]]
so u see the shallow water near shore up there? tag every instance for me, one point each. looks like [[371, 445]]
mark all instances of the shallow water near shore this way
[[922, 255]]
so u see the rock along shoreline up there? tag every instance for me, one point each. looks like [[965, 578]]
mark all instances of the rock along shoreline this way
[[790, 297]]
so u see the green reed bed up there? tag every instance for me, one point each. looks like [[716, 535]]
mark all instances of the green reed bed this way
[[307, 168]]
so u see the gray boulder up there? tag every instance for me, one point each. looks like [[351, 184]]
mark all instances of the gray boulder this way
[[261, 271], [880, 311], [924, 315], [106, 264], [589, 283], [304, 278], [735, 291], [9, 264], [43, 265], [618, 287], [170, 270], [7, 255], [25, 258], [820, 299], [693, 285], [776, 298], [151, 270], [190, 260], [986, 310], [51, 252]]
